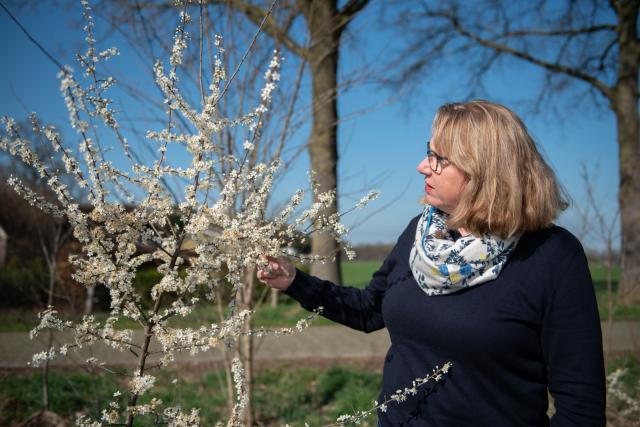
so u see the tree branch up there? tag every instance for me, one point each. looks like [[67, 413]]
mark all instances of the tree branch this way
[[561, 32], [289, 21], [503, 48], [256, 14], [349, 11]]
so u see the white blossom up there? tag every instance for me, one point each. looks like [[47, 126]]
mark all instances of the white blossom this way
[[175, 417], [248, 146], [139, 384], [40, 357]]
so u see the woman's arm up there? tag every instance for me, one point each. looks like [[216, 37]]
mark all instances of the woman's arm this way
[[572, 345], [359, 309]]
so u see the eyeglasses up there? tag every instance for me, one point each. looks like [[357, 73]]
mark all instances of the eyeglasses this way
[[435, 160]]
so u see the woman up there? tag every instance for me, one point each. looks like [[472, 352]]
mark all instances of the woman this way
[[482, 279]]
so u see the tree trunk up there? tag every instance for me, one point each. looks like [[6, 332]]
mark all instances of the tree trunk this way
[[629, 199], [245, 344], [45, 374], [625, 106], [228, 389], [88, 300], [323, 153], [50, 256]]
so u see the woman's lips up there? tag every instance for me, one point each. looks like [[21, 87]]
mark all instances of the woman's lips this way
[[427, 187]]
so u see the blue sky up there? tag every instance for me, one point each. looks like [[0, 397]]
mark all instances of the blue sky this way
[[378, 149]]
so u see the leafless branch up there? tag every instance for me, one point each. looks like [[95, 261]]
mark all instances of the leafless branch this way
[[559, 32], [527, 56], [263, 22]]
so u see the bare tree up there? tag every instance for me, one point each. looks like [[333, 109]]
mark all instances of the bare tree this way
[[51, 233], [52, 237], [603, 228], [33, 231], [589, 47]]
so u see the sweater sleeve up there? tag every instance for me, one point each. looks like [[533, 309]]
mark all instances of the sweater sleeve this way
[[359, 309], [572, 346]]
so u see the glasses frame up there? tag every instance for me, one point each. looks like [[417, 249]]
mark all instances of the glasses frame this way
[[440, 161]]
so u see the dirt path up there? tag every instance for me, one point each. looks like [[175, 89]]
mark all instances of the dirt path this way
[[320, 344]]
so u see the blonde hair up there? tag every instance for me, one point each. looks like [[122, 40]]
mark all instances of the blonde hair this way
[[510, 188]]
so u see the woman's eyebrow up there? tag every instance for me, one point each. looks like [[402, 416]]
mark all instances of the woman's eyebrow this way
[[431, 150]]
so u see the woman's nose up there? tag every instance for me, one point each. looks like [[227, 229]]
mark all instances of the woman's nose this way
[[423, 166]]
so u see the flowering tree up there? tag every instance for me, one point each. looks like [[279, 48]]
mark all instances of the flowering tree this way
[[223, 212]]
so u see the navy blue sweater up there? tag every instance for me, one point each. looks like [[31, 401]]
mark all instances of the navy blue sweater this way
[[534, 328]]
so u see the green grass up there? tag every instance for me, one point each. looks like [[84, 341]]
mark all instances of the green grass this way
[[314, 396], [630, 362], [620, 312], [288, 312], [283, 396], [21, 394], [358, 273], [292, 396], [17, 320]]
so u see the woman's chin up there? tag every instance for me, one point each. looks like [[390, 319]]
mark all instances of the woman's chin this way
[[436, 203], [430, 200]]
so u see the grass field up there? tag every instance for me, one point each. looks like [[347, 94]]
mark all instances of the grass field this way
[[289, 395], [288, 312], [620, 312], [284, 396]]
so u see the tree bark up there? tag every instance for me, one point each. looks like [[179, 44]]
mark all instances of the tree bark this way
[[321, 18], [625, 106]]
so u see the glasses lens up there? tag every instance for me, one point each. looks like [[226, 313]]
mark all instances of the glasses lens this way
[[433, 162]]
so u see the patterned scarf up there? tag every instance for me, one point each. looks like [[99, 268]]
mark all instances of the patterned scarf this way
[[443, 265]]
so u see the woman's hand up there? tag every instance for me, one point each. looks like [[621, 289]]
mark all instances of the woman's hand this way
[[279, 274]]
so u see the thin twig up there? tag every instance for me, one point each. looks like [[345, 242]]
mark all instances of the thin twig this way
[[255, 37], [33, 40]]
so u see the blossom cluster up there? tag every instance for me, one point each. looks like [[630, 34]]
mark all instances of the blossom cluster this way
[[398, 397], [242, 396], [622, 404]]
